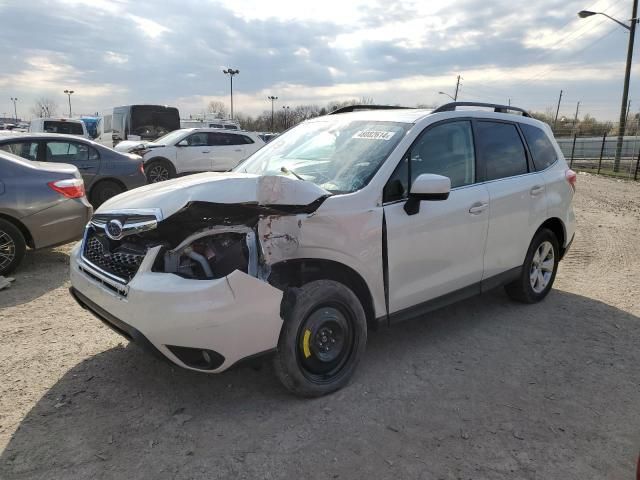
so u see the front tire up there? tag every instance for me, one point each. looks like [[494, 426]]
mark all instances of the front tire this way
[[12, 247], [539, 269], [322, 340], [159, 171]]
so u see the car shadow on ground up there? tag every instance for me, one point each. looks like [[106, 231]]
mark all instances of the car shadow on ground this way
[[40, 272], [485, 388]]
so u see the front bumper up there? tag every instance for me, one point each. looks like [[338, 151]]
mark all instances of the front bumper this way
[[237, 316]]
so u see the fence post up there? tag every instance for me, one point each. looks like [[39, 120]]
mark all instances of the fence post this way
[[604, 139], [635, 175], [573, 149]]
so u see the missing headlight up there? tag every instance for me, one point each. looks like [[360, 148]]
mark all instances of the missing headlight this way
[[212, 254]]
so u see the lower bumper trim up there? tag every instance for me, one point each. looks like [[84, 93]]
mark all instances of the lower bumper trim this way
[[115, 324]]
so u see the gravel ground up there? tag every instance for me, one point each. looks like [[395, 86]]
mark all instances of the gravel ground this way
[[484, 389]]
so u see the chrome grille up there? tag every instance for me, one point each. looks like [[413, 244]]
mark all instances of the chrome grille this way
[[122, 264]]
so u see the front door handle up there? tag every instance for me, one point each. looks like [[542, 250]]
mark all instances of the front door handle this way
[[205, 151], [477, 208], [536, 190], [84, 168], [238, 150]]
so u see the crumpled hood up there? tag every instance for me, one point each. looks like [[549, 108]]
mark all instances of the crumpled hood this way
[[226, 188], [128, 145]]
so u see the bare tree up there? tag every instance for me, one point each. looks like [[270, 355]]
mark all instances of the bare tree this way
[[217, 108], [44, 108]]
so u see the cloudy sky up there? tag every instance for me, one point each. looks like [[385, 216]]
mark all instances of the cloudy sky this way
[[114, 52]]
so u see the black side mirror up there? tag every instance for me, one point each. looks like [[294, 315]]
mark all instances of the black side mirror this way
[[428, 186]]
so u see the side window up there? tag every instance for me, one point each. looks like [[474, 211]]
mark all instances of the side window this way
[[199, 139], [93, 154], [216, 139], [235, 139], [397, 186], [66, 152], [247, 139], [500, 149], [445, 149], [541, 148], [26, 150]]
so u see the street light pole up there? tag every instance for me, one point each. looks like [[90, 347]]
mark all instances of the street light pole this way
[[273, 99], [285, 109], [627, 74], [69, 92], [15, 110], [231, 72], [444, 93]]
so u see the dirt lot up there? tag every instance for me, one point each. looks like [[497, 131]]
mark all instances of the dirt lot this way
[[484, 389]]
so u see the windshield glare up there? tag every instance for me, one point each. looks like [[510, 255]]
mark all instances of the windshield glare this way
[[338, 154]]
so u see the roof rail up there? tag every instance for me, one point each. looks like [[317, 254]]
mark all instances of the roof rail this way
[[451, 107], [356, 108]]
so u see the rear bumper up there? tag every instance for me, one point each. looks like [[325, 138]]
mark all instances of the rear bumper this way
[[62, 223], [236, 317]]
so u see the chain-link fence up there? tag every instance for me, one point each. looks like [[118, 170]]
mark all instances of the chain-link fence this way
[[597, 154]]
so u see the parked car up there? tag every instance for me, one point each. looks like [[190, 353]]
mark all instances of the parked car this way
[[68, 126], [210, 122], [346, 222], [41, 205], [191, 150], [105, 172]]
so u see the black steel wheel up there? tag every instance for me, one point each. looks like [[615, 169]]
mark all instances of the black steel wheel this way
[[322, 340]]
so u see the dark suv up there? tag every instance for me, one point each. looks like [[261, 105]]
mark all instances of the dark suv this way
[[105, 172]]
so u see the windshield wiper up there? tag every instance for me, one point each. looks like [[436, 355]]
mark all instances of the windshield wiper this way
[[291, 172]]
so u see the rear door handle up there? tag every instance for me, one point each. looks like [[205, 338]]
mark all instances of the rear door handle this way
[[238, 150], [205, 151], [536, 190], [477, 208], [85, 168]]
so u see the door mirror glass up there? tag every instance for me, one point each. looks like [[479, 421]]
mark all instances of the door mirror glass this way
[[427, 186]]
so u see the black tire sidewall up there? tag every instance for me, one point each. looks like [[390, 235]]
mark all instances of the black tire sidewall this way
[[298, 305], [20, 244], [97, 192]]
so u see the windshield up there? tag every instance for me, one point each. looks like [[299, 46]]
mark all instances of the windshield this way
[[337, 154], [170, 138]]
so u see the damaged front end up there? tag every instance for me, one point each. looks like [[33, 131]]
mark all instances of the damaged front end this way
[[201, 241]]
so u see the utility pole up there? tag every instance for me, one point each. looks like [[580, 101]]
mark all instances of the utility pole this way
[[273, 99], [509, 102], [69, 92], [455, 97], [575, 119], [626, 120], [15, 110], [625, 90], [557, 111], [231, 72]]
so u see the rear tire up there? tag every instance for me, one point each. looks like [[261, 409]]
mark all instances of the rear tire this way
[[103, 191], [539, 269], [322, 340], [159, 171], [12, 247]]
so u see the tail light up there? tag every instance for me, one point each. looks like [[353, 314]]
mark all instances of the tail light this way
[[70, 188], [571, 177]]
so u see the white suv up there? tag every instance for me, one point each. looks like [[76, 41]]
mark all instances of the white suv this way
[[349, 221], [191, 150]]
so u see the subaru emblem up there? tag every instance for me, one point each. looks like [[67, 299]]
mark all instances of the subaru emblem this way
[[113, 229]]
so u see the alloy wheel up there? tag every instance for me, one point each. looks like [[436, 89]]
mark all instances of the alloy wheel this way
[[542, 266], [7, 250], [158, 173]]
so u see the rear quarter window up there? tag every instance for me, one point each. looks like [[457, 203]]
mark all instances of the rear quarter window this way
[[542, 150]]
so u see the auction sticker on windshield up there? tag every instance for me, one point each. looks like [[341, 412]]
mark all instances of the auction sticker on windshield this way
[[374, 135]]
